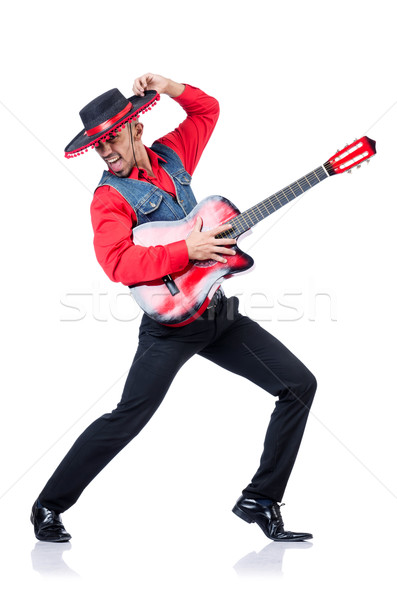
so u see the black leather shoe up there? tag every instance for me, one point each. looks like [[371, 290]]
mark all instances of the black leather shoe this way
[[48, 525], [269, 520]]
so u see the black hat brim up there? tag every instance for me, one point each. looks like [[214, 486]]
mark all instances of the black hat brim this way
[[140, 104]]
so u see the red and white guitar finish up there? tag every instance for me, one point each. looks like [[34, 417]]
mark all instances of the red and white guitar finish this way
[[179, 298]]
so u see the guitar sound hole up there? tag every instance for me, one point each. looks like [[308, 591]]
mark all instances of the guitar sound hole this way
[[204, 263]]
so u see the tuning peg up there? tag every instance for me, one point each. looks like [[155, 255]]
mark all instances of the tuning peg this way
[[358, 166], [349, 171], [368, 159]]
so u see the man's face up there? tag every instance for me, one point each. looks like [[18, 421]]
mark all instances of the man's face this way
[[117, 152]]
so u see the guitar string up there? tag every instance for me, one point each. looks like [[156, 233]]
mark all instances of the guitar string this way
[[300, 186], [297, 188]]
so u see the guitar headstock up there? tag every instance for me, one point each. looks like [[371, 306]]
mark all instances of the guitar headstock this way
[[351, 156]]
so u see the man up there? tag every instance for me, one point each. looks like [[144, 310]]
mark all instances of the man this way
[[152, 184]]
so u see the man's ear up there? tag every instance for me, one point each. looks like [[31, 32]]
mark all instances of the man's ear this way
[[138, 131]]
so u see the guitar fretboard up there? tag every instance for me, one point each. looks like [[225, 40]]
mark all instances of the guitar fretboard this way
[[252, 216]]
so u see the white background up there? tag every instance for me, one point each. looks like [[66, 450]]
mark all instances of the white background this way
[[296, 81]]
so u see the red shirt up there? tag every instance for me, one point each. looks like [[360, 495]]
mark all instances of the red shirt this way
[[113, 218]]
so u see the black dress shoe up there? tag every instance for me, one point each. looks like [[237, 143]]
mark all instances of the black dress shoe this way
[[268, 518], [48, 525]]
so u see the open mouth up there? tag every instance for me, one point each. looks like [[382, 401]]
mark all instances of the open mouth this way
[[116, 163]]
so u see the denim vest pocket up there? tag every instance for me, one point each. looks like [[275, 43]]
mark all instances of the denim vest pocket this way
[[151, 204], [186, 197], [158, 207], [183, 178]]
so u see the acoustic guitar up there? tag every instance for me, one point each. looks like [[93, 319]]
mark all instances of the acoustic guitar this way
[[179, 298]]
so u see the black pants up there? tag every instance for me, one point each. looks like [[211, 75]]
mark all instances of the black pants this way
[[228, 339]]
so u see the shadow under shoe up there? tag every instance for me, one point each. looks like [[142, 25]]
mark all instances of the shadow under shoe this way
[[48, 526], [268, 518]]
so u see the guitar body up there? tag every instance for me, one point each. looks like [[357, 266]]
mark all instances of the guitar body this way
[[199, 280]]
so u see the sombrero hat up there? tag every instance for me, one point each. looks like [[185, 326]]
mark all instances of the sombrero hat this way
[[106, 114]]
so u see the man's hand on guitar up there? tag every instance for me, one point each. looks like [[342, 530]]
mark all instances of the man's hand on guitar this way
[[203, 245]]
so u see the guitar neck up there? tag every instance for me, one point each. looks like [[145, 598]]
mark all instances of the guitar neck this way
[[252, 216]]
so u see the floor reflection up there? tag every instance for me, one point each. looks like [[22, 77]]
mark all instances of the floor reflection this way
[[269, 561], [47, 559]]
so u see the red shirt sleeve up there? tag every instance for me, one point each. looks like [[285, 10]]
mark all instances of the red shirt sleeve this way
[[191, 137], [121, 259], [113, 218]]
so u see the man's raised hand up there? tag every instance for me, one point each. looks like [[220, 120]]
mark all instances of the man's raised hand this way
[[161, 84]]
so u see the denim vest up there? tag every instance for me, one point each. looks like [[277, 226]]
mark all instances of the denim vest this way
[[151, 203]]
